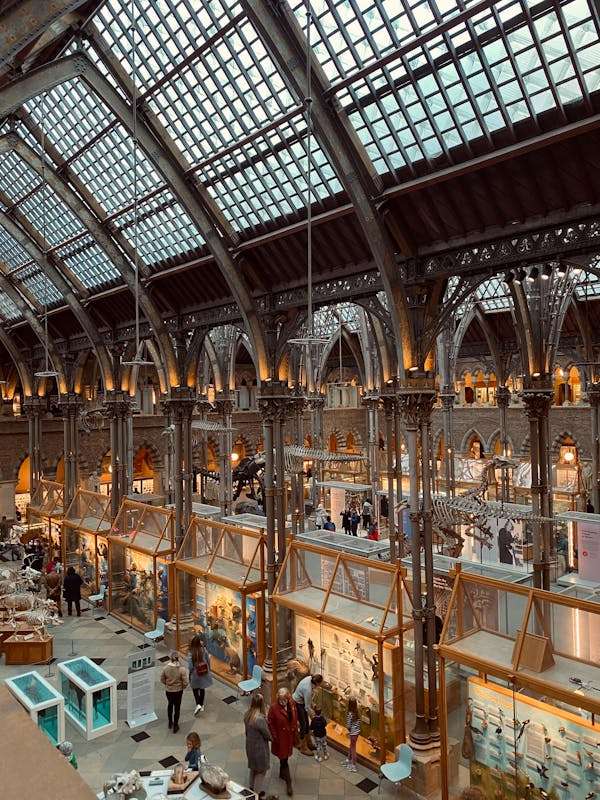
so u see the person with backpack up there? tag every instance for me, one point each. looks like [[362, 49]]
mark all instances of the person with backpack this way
[[199, 671]]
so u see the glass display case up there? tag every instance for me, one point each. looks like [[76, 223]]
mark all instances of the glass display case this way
[[47, 507], [140, 550], [348, 624], [43, 703], [86, 525], [527, 721], [90, 696], [356, 545], [221, 584]]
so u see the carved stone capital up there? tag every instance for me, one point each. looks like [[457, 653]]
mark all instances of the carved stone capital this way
[[34, 407], [448, 399], [315, 402], [537, 402], [181, 404], [224, 405], [502, 397], [370, 401], [117, 405], [273, 409], [415, 406], [389, 405]]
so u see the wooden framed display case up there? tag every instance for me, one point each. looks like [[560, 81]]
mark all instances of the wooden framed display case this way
[[529, 717], [347, 623], [47, 506], [90, 696], [220, 586], [44, 704], [86, 525], [140, 550]]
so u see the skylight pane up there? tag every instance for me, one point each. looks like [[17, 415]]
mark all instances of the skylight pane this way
[[8, 309], [88, 263], [44, 291], [16, 178], [11, 252], [50, 216]]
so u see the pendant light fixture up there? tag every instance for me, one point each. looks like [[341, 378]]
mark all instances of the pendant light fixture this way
[[311, 344], [138, 359], [46, 372]]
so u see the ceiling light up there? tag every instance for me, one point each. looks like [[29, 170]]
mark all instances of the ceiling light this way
[[414, 368], [46, 373], [535, 374], [533, 273], [546, 272]]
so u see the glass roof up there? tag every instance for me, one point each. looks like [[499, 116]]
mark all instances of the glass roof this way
[[327, 319]]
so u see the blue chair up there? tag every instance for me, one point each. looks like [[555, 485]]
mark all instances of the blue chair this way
[[253, 683], [158, 633], [97, 600], [399, 769]]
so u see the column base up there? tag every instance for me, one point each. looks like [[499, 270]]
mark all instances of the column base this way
[[425, 778]]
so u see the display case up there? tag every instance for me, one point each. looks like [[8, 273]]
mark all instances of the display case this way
[[356, 545], [140, 549], [90, 696], [347, 623], [43, 703], [86, 525], [220, 586], [47, 507], [527, 720]]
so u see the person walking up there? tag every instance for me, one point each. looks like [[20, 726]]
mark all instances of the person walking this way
[[258, 737], [302, 697], [174, 678], [283, 723], [53, 589], [72, 590], [199, 671], [354, 520]]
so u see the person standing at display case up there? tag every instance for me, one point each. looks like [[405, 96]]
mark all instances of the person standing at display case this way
[[72, 590], [367, 510], [174, 677], [302, 696], [199, 671], [258, 737], [505, 544], [354, 520], [353, 725], [53, 589], [320, 516], [283, 725], [318, 727], [345, 515]]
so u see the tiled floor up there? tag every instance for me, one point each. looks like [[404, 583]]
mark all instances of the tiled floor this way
[[220, 726]]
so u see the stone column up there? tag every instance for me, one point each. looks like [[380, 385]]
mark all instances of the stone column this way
[[70, 404], [34, 411], [371, 403], [537, 406], [180, 408], [448, 398], [316, 403], [204, 407], [503, 401], [416, 399], [224, 406], [299, 403], [389, 407], [593, 393], [118, 408]]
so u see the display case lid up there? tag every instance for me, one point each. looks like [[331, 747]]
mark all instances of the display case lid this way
[[253, 522], [348, 486], [541, 640], [358, 545], [32, 689], [143, 527], [85, 671], [89, 511], [232, 556], [47, 500], [360, 594]]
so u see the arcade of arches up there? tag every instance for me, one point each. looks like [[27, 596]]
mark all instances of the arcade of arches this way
[[300, 375]]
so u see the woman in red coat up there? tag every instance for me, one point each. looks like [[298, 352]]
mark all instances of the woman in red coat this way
[[283, 724]]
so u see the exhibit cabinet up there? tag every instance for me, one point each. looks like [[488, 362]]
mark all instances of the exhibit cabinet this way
[[347, 623], [220, 593], [90, 695], [47, 507], [341, 542], [86, 525], [140, 550], [529, 694], [43, 703]]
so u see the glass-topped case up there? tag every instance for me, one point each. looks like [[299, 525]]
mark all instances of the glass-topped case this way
[[44, 704], [358, 546], [90, 696], [47, 506], [86, 525], [220, 580], [140, 548], [347, 623]]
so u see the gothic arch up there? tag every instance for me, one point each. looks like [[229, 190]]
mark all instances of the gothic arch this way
[[562, 438], [494, 438], [471, 434]]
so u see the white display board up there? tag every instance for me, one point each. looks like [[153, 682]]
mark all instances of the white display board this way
[[141, 667], [588, 546]]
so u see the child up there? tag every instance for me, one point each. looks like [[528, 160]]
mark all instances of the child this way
[[193, 755], [318, 727], [353, 725], [66, 748]]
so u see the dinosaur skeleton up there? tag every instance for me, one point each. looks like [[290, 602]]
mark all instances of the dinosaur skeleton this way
[[296, 454], [38, 618]]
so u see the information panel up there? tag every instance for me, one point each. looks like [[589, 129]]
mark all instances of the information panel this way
[[588, 544], [140, 687]]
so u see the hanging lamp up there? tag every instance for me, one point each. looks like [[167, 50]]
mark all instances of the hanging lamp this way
[[46, 372], [311, 343], [138, 359]]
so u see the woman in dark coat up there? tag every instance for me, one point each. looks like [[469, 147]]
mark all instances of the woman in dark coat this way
[[258, 737], [283, 724], [72, 590]]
